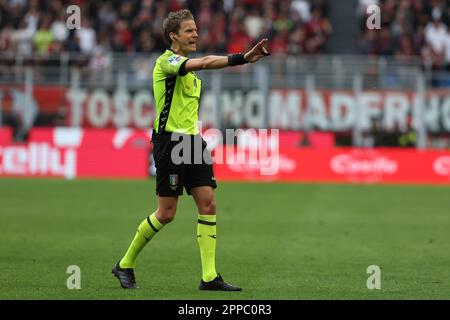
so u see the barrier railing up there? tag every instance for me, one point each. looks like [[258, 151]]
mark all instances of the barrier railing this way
[[357, 94]]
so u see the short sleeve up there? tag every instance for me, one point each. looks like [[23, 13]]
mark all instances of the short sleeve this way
[[171, 64]]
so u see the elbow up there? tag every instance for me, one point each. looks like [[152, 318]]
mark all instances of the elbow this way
[[205, 63]]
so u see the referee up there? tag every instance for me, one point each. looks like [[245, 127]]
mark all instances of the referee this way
[[177, 88]]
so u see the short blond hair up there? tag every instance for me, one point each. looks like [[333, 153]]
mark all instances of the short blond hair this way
[[173, 22]]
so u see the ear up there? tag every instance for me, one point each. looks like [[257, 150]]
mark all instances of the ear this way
[[172, 36]]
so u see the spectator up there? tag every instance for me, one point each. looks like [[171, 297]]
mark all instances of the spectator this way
[[240, 41], [205, 16], [56, 8], [420, 16], [435, 35], [23, 38], [126, 11], [59, 29], [368, 42], [43, 37], [361, 9], [99, 65], [106, 15], [283, 23], [6, 39], [389, 10], [297, 38], [279, 45], [419, 40], [143, 20], [302, 8], [122, 36], [254, 24], [25, 111], [404, 49], [14, 10], [145, 42], [86, 36], [385, 43], [447, 51], [118, 44], [318, 31]]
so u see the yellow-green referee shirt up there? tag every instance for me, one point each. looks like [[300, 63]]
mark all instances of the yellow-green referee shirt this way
[[176, 95]]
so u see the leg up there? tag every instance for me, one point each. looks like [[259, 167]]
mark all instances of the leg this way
[[206, 238], [200, 183], [167, 208], [204, 199], [165, 213], [206, 230], [124, 269]]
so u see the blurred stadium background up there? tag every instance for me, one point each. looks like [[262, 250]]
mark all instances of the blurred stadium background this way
[[356, 107]]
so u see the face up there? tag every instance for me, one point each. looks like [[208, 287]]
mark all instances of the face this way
[[187, 36]]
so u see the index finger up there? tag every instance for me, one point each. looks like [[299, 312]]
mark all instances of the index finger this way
[[261, 45], [262, 42]]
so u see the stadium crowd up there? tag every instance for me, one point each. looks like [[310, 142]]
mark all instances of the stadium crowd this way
[[409, 28], [225, 26]]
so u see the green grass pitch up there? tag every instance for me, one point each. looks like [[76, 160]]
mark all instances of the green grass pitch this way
[[277, 241]]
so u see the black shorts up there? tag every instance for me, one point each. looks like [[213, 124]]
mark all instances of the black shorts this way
[[181, 161]]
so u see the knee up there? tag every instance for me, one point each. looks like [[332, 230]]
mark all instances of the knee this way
[[166, 215], [208, 207]]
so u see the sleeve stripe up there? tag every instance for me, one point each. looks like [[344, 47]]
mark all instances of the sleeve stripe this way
[[181, 71]]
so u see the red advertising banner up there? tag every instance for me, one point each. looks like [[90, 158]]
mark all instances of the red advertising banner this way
[[343, 165], [75, 152], [124, 153]]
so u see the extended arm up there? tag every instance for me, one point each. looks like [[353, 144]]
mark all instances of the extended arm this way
[[219, 62], [207, 62]]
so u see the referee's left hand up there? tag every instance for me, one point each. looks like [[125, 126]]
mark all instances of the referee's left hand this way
[[257, 52]]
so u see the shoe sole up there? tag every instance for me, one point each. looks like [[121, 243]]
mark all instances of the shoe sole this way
[[220, 290], [113, 271]]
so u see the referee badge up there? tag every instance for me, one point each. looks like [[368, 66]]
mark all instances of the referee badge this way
[[173, 181]]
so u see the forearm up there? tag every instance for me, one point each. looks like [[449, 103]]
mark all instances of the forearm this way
[[214, 62]]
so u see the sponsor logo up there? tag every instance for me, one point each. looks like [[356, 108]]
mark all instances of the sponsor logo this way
[[283, 163], [174, 60], [363, 164], [38, 159], [442, 166]]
